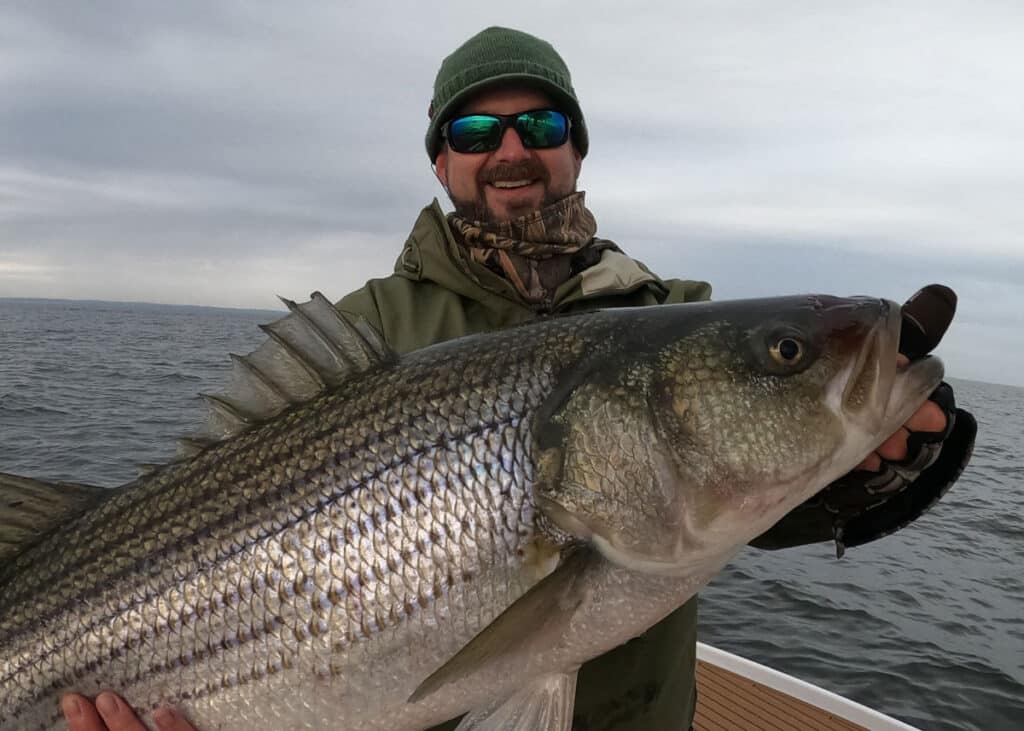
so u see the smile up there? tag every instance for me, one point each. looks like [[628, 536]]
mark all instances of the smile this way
[[512, 183]]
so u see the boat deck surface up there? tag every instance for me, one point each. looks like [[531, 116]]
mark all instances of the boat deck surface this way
[[730, 702]]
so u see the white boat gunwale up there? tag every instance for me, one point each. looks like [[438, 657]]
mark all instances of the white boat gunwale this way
[[802, 690]]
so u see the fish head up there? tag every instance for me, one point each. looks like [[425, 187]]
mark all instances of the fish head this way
[[723, 417], [769, 401]]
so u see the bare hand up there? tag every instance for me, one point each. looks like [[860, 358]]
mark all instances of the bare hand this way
[[111, 713]]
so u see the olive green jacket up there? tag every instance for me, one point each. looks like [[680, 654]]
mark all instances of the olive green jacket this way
[[648, 683]]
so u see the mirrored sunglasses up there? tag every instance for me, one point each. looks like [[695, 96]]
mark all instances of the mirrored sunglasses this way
[[538, 129]]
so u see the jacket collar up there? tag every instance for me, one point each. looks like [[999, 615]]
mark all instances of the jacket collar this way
[[431, 254]]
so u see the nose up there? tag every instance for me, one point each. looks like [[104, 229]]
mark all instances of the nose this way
[[511, 149]]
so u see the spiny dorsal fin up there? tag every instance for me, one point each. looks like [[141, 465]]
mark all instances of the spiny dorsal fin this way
[[327, 341], [312, 348], [31, 508]]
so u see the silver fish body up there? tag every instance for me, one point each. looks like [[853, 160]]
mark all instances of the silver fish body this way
[[329, 568]]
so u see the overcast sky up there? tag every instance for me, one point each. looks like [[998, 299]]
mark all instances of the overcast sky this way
[[221, 153]]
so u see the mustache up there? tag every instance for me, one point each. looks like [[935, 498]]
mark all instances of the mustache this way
[[529, 169]]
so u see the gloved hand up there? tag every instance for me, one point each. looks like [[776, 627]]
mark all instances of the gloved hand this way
[[864, 506]]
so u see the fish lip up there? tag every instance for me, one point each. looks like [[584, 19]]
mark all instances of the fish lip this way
[[912, 384], [873, 370], [894, 390]]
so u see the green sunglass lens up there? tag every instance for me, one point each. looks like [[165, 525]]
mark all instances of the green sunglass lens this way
[[542, 129], [475, 133]]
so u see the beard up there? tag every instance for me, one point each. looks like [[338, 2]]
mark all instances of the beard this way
[[476, 209]]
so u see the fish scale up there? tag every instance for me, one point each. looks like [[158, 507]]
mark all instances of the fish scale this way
[[383, 503]]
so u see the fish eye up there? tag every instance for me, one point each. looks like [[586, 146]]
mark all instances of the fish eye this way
[[787, 351]]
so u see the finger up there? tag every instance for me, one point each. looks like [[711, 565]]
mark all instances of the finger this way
[[871, 463], [117, 714], [80, 714], [894, 448], [930, 417], [901, 360], [168, 719]]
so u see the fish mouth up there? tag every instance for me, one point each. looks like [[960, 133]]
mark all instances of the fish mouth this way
[[873, 370], [879, 390]]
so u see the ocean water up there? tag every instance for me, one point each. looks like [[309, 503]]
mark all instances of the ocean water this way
[[926, 625]]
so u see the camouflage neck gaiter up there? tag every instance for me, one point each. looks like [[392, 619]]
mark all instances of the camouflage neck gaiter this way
[[538, 252]]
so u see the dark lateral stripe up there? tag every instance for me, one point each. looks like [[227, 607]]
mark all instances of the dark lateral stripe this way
[[196, 694], [159, 525], [196, 614], [268, 629], [222, 556], [129, 549], [139, 498], [233, 455]]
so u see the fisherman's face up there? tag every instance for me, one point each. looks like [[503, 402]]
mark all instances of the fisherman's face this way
[[478, 183]]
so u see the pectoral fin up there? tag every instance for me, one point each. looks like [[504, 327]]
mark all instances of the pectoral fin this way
[[544, 705], [31, 508], [528, 627]]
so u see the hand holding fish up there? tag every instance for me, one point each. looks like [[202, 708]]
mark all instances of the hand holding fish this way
[[110, 713]]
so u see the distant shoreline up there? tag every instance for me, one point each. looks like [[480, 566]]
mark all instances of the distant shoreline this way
[[125, 304]]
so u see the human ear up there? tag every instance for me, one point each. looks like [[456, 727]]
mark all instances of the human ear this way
[[441, 166]]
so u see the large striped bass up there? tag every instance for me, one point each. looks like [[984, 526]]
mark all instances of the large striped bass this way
[[378, 542]]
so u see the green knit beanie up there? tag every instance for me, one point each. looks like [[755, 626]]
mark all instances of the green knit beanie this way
[[495, 56]]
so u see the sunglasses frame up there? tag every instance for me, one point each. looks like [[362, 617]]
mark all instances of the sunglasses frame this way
[[505, 121]]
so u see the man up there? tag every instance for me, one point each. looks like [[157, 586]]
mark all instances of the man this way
[[507, 138]]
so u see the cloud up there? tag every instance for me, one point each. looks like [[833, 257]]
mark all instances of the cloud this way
[[221, 154], [33, 274]]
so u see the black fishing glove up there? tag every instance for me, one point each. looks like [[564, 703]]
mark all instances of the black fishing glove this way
[[864, 506]]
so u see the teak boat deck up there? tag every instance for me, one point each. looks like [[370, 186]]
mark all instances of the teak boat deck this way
[[730, 702]]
